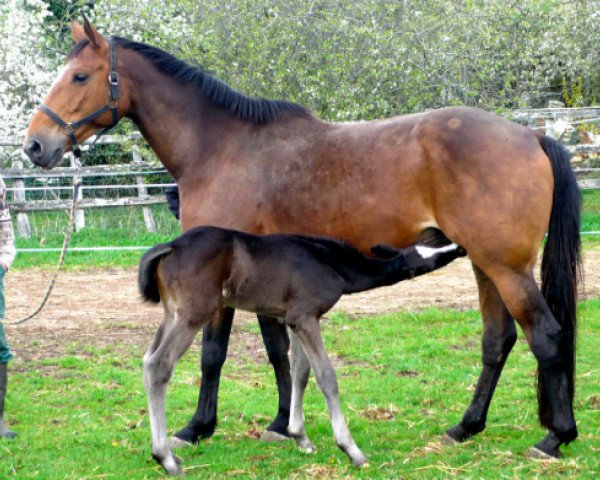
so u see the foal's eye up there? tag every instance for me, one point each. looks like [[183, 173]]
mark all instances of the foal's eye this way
[[80, 77]]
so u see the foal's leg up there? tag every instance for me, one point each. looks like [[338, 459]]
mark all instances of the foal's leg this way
[[300, 374], [499, 336], [277, 343], [527, 305], [308, 332], [215, 339], [159, 364]]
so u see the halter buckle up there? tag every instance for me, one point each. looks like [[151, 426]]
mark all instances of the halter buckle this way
[[113, 78], [68, 128]]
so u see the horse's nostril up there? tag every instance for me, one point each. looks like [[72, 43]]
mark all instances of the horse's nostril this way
[[34, 149]]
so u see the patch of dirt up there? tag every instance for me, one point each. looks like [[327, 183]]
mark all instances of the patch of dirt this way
[[374, 412], [96, 308]]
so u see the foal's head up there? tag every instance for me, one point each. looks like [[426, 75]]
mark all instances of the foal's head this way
[[81, 89]]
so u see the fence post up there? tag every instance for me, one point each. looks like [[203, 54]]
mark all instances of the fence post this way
[[23, 228], [79, 212], [143, 191]]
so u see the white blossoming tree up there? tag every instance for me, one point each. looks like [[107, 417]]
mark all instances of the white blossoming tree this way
[[28, 67], [345, 60]]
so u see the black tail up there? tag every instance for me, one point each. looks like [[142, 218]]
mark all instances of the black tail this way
[[147, 272], [561, 264]]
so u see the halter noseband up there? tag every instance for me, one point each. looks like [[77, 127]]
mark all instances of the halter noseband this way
[[113, 84]]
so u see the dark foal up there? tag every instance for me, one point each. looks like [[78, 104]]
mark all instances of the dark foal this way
[[294, 278]]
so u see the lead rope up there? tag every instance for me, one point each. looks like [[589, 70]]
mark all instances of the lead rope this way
[[61, 260]]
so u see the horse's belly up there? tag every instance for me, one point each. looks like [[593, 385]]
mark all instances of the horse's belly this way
[[361, 223]]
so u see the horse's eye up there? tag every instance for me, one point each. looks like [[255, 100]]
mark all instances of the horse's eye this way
[[80, 77]]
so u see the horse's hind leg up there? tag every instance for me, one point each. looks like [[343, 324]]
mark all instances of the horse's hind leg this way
[[499, 336], [277, 344], [215, 339], [526, 304], [300, 374], [308, 332]]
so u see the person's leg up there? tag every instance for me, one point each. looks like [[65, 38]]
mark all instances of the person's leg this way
[[5, 356]]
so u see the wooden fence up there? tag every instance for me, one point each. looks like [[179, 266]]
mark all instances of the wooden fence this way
[[137, 171], [553, 121]]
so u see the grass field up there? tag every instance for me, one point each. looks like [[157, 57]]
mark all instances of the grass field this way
[[404, 378]]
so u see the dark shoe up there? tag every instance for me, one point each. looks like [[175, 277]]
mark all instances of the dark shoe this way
[[4, 432]]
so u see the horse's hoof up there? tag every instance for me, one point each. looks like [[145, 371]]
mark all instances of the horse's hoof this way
[[271, 436], [175, 443], [448, 440], [536, 454]]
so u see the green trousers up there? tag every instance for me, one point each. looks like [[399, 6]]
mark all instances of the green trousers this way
[[5, 353]]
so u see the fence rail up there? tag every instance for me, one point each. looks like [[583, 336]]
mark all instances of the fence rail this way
[[97, 171], [83, 204]]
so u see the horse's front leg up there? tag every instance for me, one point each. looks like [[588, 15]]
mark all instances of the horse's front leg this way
[[159, 363], [215, 339], [277, 344]]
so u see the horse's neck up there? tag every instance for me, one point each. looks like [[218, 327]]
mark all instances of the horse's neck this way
[[184, 130]]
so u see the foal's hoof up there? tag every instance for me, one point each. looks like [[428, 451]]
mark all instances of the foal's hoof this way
[[308, 449], [271, 436], [175, 443], [173, 467], [306, 446], [8, 434], [537, 454], [361, 461]]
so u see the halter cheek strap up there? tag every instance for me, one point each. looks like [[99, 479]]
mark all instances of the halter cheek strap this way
[[113, 96]]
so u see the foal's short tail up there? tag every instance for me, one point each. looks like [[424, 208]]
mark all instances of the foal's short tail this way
[[147, 272], [561, 264]]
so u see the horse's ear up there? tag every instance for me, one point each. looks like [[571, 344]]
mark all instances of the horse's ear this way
[[77, 31], [88, 32]]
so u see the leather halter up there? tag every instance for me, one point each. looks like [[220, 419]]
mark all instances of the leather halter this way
[[113, 97]]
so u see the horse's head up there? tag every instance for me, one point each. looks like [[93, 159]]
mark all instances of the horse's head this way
[[86, 97]]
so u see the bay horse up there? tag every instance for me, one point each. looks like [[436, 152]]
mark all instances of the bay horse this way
[[265, 166], [295, 278]]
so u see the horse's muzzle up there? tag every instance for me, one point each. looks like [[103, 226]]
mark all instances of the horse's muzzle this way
[[45, 154]]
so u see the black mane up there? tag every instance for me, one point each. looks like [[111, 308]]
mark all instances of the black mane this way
[[257, 110]]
